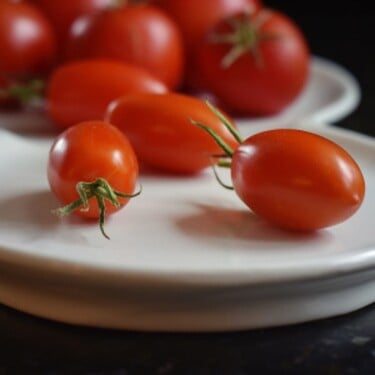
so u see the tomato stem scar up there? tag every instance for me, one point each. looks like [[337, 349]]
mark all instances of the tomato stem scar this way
[[101, 191]]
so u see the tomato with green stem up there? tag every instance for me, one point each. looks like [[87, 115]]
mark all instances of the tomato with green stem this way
[[294, 179], [256, 64], [195, 18], [82, 90], [92, 170], [159, 129]]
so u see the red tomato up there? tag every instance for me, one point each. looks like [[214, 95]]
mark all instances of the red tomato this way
[[27, 41], [159, 128], [62, 13], [296, 179], [82, 90], [255, 64], [139, 34], [87, 152], [195, 18]]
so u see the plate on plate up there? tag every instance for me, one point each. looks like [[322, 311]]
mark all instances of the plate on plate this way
[[331, 93], [186, 255]]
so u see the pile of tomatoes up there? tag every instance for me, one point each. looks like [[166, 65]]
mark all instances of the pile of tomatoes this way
[[123, 82], [252, 59]]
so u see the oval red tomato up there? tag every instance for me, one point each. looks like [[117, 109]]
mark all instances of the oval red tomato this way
[[139, 34], [296, 179], [159, 128], [27, 41], [91, 152], [195, 18], [256, 64], [81, 90]]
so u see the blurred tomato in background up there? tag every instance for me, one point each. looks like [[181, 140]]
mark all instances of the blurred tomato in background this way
[[27, 40], [140, 34], [195, 18]]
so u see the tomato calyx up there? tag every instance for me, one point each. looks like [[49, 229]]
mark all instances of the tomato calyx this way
[[99, 189], [24, 93], [245, 37], [223, 160]]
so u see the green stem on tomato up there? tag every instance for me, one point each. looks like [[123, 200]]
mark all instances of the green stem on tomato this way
[[101, 191], [220, 141], [225, 121], [222, 163], [244, 37], [27, 92]]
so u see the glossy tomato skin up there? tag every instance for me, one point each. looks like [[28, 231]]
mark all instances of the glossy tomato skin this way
[[27, 41], [266, 80], [139, 34], [85, 152], [81, 90], [160, 130], [195, 18], [297, 180]]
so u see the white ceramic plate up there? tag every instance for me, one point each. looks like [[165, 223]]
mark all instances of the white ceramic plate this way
[[188, 256], [331, 93], [184, 256]]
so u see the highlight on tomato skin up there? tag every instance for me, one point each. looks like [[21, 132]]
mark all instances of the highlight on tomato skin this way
[[92, 170], [63, 13], [28, 51], [297, 180], [159, 128]]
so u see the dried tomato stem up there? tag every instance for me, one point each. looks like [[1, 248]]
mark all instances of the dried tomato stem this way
[[101, 191]]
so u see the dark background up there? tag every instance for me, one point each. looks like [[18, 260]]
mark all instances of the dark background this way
[[342, 31], [338, 30]]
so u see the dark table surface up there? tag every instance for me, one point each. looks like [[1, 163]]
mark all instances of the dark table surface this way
[[341, 345]]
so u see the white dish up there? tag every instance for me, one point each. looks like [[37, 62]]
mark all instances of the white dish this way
[[331, 93], [184, 256]]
